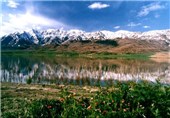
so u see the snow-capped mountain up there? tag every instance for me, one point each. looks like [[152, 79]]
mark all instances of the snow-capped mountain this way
[[58, 37]]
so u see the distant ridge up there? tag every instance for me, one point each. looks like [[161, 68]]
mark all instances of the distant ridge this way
[[59, 37]]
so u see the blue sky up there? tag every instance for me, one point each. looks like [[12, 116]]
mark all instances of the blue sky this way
[[86, 15]]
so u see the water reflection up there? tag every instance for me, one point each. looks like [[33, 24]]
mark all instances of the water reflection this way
[[80, 71]]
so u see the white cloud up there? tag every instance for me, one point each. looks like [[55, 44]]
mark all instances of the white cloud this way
[[145, 10], [132, 24], [20, 22], [98, 5], [116, 27], [146, 26], [12, 4]]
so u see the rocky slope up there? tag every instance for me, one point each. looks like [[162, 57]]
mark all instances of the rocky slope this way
[[74, 39]]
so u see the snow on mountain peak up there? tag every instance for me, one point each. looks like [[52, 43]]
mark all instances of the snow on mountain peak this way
[[58, 36]]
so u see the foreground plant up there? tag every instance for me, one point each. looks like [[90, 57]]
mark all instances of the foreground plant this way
[[144, 100]]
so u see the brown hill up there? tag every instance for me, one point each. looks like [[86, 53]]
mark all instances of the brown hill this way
[[114, 46]]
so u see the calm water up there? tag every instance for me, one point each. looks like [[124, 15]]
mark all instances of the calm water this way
[[79, 71]]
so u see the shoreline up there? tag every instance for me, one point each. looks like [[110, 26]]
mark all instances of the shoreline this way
[[161, 57]]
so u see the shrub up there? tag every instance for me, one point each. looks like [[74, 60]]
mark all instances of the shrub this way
[[107, 42], [124, 100], [45, 108], [29, 81]]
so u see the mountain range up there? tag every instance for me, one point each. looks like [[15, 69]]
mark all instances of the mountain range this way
[[78, 40]]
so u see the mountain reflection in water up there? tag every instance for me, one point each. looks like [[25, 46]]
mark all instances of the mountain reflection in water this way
[[79, 71]]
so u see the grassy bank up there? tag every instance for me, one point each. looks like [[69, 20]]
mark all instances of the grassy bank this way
[[121, 100], [71, 54]]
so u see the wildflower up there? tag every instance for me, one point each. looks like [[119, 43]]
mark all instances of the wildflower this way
[[113, 111], [49, 106], [96, 103], [109, 103], [61, 99], [152, 104], [98, 110], [83, 105], [123, 101], [124, 110], [69, 96], [74, 94], [104, 112], [89, 107]]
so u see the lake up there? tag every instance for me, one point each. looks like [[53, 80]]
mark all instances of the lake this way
[[80, 71]]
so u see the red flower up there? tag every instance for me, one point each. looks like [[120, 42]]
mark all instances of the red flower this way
[[104, 112], [83, 105], [49, 106]]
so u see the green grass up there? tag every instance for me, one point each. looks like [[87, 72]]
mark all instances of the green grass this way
[[124, 99], [72, 54], [106, 55], [28, 52]]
